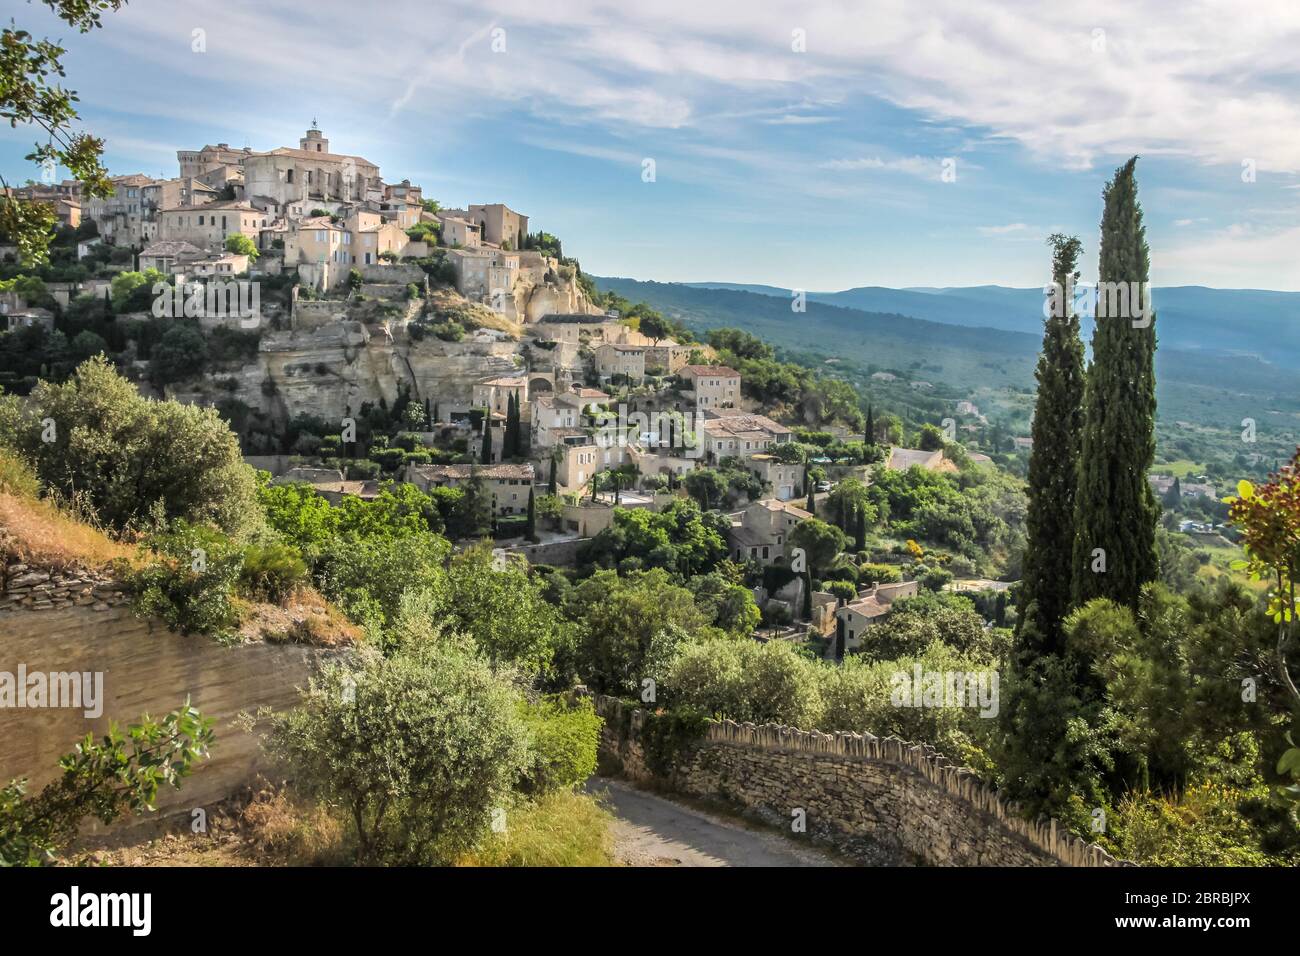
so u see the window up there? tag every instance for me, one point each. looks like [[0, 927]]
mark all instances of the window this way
[[200, 220]]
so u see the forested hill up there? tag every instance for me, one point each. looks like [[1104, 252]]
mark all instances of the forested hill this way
[[1252, 322], [966, 356]]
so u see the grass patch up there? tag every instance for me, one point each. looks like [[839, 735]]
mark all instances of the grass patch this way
[[563, 828], [40, 533]]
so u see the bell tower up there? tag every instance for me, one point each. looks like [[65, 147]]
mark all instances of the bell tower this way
[[314, 141]]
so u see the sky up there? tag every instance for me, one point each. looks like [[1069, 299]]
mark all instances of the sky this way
[[818, 146]]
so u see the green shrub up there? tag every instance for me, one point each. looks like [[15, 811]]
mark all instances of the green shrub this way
[[869, 574], [190, 581], [418, 749], [272, 571], [119, 773], [564, 741]]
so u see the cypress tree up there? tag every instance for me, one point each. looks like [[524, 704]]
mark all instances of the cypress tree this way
[[1053, 464], [860, 528], [869, 433], [1115, 508], [485, 450], [551, 486], [531, 527], [812, 502], [807, 595]]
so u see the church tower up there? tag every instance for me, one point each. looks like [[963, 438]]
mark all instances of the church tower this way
[[314, 141]]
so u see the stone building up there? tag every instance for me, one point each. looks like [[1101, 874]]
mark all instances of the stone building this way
[[500, 224], [310, 171]]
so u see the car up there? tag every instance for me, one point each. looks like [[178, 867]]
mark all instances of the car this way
[[823, 486]]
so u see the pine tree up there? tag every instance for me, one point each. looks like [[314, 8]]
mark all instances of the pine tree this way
[[1115, 509], [1053, 465]]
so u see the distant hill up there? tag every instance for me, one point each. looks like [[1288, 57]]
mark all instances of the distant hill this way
[[1193, 318], [1200, 386]]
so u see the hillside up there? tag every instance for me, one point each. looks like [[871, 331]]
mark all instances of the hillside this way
[[1203, 397], [1250, 322]]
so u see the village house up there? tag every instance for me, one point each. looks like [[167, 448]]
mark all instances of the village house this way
[[459, 233], [625, 360], [761, 531], [194, 163], [175, 193], [120, 216], [224, 265], [500, 225], [712, 386], [483, 273], [742, 436], [169, 256], [577, 459], [784, 478], [869, 607], [553, 413], [508, 485], [325, 251], [210, 225], [495, 393]]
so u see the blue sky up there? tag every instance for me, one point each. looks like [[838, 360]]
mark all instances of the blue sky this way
[[795, 144]]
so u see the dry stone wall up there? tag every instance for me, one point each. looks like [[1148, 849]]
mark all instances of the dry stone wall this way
[[871, 797]]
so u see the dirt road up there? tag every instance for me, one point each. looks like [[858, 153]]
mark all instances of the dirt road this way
[[652, 831]]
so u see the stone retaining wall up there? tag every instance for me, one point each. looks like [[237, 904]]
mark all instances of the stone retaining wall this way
[[861, 793]]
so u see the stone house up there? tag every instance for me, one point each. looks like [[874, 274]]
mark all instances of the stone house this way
[[762, 530], [495, 394], [483, 272], [499, 224], [712, 386], [508, 485], [869, 607], [169, 256], [459, 232], [742, 436], [784, 478], [627, 360], [200, 162], [208, 226]]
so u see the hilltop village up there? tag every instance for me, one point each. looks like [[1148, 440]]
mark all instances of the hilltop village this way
[[393, 340]]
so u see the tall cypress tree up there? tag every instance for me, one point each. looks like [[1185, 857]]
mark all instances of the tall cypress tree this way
[[551, 486], [485, 450], [869, 433], [1115, 509], [812, 501], [1053, 465], [531, 527]]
